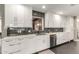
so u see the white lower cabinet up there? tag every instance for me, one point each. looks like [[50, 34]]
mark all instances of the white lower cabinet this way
[[59, 38], [64, 37], [46, 42], [25, 45], [31, 44], [39, 44], [36, 44], [10, 46], [42, 42]]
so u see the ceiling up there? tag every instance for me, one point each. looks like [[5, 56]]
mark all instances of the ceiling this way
[[67, 9]]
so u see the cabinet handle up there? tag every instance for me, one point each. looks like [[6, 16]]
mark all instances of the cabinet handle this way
[[9, 40], [20, 39], [14, 52], [11, 44]]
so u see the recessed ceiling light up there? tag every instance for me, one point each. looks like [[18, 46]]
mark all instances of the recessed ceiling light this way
[[43, 6], [77, 20], [60, 12]]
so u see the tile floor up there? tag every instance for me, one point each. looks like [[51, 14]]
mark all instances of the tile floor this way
[[68, 48]]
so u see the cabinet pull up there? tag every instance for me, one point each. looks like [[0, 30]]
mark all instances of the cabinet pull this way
[[14, 52], [20, 39], [11, 44], [9, 40]]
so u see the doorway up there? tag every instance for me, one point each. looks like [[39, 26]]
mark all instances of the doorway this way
[[37, 24]]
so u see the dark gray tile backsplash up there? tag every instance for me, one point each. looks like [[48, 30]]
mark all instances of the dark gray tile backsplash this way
[[14, 31], [53, 29]]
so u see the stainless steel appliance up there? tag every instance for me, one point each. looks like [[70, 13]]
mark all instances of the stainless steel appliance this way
[[52, 40]]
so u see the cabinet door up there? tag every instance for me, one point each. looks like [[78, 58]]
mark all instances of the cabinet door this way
[[42, 42], [10, 13], [27, 17], [68, 36], [24, 16], [28, 45], [46, 41], [56, 21], [63, 21], [48, 20], [18, 15], [38, 43], [60, 38], [51, 21], [11, 46]]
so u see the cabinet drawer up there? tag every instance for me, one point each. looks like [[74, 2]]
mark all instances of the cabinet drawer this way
[[11, 48], [11, 52]]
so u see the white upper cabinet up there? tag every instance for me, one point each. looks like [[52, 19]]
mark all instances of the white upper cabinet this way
[[62, 22], [53, 21], [28, 17], [69, 24], [48, 20], [47, 15], [18, 15], [59, 21]]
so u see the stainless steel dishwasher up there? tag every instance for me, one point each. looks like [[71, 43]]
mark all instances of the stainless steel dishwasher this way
[[53, 40]]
